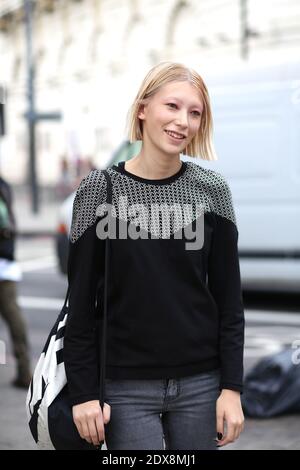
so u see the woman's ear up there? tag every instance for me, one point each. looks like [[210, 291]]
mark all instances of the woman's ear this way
[[141, 112]]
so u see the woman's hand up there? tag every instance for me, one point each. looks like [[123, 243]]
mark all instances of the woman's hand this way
[[90, 421], [229, 409]]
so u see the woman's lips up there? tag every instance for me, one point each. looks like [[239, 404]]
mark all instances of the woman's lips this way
[[174, 139]]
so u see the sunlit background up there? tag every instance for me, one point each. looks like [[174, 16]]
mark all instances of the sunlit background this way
[[69, 70]]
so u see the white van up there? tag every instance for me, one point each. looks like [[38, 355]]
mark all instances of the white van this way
[[256, 112]]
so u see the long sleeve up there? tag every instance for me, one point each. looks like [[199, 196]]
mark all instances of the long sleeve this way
[[224, 282], [85, 271]]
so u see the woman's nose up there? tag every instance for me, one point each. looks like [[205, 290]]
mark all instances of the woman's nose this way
[[182, 119]]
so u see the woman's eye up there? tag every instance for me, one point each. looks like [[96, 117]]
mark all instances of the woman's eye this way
[[173, 104]]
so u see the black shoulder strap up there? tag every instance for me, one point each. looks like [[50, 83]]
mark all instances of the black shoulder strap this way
[[109, 200], [102, 341], [106, 268]]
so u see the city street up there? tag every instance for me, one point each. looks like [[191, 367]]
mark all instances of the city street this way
[[41, 295], [192, 108]]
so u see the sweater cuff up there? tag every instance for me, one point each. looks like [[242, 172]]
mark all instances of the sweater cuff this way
[[231, 386], [77, 400]]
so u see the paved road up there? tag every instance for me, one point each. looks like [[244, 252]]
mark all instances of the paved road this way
[[41, 295]]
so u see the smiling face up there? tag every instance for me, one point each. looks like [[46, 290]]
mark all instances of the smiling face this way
[[175, 107]]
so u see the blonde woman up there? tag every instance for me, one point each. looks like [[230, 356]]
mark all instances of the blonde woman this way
[[175, 331]]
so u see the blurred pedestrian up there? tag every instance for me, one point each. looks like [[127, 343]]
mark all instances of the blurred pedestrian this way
[[83, 167], [10, 273], [89, 164], [65, 183]]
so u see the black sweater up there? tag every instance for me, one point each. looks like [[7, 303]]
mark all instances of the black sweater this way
[[173, 311]]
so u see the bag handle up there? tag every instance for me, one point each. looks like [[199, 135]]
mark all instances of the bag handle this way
[[67, 297], [102, 341]]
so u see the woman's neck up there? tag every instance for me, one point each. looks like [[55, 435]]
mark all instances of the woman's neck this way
[[153, 167]]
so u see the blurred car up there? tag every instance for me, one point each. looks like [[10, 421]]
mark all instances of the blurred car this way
[[124, 152]]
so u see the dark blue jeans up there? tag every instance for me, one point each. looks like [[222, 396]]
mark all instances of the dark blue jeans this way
[[163, 414]]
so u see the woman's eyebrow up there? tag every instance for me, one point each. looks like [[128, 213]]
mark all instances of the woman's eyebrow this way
[[178, 99]]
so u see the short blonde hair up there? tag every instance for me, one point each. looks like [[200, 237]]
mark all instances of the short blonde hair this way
[[165, 72]]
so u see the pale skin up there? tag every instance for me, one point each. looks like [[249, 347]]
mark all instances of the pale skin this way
[[176, 106], [229, 410], [90, 420]]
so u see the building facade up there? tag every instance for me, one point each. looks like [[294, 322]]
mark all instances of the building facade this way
[[90, 56]]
